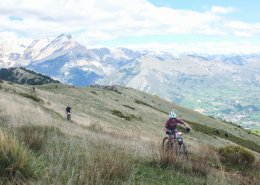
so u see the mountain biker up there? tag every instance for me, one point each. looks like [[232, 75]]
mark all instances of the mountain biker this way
[[68, 112], [171, 124]]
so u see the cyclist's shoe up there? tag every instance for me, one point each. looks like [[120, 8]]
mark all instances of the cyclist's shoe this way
[[187, 129]]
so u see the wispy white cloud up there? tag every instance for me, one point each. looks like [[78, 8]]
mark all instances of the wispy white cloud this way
[[97, 20], [222, 10], [201, 47]]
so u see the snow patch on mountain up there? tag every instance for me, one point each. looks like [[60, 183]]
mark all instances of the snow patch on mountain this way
[[35, 48], [56, 48]]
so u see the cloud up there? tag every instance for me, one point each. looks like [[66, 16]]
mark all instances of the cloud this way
[[11, 36], [221, 10], [225, 47], [101, 20]]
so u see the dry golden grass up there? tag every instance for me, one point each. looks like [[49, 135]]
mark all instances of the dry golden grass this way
[[20, 111], [16, 162], [98, 147]]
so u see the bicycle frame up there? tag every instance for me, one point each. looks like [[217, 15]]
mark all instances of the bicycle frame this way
[[175, 144]]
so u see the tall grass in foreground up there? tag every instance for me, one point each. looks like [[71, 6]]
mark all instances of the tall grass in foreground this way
[[70, 160], [16, 162], [75, 160], [71, 163], [80, 160], [194, 164], [205, 167]]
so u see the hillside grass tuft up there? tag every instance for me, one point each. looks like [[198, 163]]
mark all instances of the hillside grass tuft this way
[[236, 155], [34, 136], [16, 162]]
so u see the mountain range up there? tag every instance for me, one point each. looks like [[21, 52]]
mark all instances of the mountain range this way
[[225, 86]]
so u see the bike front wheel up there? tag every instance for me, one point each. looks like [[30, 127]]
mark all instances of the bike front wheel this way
[[183, 152], [166, 144], [68, 117]]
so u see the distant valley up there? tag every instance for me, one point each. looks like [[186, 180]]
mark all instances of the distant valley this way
[[223, 86]]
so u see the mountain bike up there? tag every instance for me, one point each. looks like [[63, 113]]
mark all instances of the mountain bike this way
[[68, 116], [175, 145]]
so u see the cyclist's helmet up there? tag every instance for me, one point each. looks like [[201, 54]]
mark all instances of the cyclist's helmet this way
[[172, 114]]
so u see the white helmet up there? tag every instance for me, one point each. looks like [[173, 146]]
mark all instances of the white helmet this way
[[172, 114]]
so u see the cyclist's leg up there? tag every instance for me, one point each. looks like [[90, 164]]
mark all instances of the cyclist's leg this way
[[170, 133], [174, 133], [168, 141], [174, 144]]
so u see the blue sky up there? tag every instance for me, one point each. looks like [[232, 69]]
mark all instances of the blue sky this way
[[246, 10], [178, 25]]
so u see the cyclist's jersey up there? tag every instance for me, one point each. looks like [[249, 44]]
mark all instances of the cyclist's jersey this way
[[172, 123]]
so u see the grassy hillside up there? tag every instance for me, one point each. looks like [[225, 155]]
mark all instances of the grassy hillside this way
[[24, 76], [114, 138]]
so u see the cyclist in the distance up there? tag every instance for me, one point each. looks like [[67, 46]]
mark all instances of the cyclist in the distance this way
[[171, 124], [68, 112]]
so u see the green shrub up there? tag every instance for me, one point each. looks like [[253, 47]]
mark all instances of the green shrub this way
[[94, 92], [126, 117], [236, 155], [139, 118], [129, 107], [34, 98], [143, 103], [148, 105], [112, 88], [16, 162], [1, 81], [255, 132], [118, 113]]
